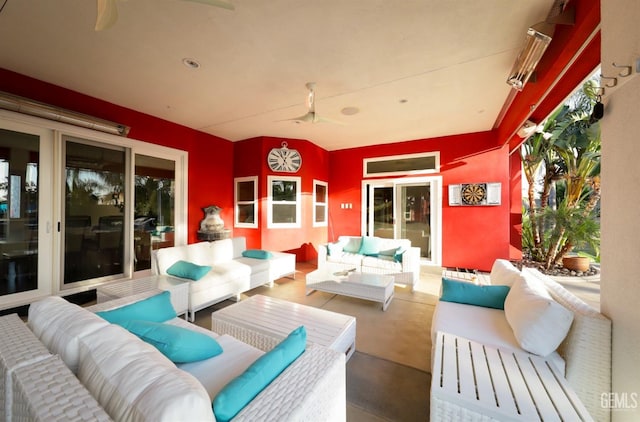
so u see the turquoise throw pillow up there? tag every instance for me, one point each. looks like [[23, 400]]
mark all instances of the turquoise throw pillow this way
[[399, 254], [179, 344], [389, 252], [257, 253], [156, 308], [241, 390], [184, 269], [472, 294], [369, 246]]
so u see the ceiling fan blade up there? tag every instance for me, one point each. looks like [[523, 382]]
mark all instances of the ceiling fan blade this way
[[107, 14], [320, 119], [312, 116], [307, 118], [225, 4]]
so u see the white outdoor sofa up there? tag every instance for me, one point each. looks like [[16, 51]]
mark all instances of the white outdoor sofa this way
[[232, 273], [68, 364], [376, 255], [583, 357]]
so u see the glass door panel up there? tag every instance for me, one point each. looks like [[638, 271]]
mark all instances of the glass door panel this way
[[415, 216], [154, 209], [94, 207], [399, 210], [19, 163], [383, 208]]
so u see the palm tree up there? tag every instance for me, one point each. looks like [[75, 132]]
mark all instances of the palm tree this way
[[569, 150]]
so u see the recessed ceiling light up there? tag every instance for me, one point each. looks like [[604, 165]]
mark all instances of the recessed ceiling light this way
[[191, 63], [350, 111]]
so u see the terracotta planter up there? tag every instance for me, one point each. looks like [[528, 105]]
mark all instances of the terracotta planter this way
[[576, 263]]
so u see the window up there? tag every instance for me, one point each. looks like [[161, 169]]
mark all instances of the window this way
[[320, 203], [246, 200], [284, 202], [402, 165]]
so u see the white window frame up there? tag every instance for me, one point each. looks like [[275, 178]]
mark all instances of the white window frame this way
[[317, 203], [242, 224], [435, 154], [270, 202]]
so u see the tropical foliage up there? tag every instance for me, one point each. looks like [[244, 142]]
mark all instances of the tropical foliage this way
[[561, 163]]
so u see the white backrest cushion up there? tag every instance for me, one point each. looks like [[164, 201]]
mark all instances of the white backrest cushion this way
[[239, 246], [539, 323], [503, 273], [60, 325], [196, 253], [220, 251], [386, 244], [133, 381]]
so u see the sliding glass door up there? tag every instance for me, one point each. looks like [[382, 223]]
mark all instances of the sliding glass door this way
[[25, 253], [406, 209], [94, 210], [79, 208], [19, 158]]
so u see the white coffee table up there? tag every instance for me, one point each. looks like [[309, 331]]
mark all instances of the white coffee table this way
[[375, 287], [264, 321], [179, 290]]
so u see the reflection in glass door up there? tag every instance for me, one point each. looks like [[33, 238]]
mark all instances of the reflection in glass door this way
[[94, 211], [154, 212], [19, 159], [415, 218], [383, 220]]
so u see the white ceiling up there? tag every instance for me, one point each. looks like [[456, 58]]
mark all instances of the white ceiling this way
[[414, 68]]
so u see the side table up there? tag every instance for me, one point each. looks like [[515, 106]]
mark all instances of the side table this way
[[179, 290]]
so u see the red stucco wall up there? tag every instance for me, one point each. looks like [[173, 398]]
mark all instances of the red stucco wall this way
[[250, 159]]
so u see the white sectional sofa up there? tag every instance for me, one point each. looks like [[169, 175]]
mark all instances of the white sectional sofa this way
[[583, 355], [69, 364], [375, 255], [231, 273]]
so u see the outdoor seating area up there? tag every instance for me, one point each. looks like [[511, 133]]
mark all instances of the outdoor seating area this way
[[221, 269], [528, 317], [480, 361], [373, 255], [179, 381]]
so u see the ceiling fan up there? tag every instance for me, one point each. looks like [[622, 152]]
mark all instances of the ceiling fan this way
[[311, 116], [108, 11]]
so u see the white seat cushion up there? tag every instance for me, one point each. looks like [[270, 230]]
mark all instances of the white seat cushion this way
[[216, 372], [484, 325]]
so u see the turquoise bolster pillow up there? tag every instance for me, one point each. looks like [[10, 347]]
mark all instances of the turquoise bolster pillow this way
[[179, 344], [472, 294], [241, 390], [257, 253], [184, 269], [369, 246], [156, 308]]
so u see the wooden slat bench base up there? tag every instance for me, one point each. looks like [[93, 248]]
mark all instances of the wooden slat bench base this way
[[486, 383]]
